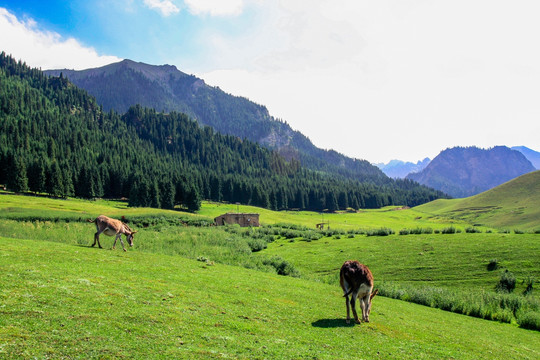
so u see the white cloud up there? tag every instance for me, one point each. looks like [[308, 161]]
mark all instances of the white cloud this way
[[45, 49], [215, 7], [165, 7], [392, 79]]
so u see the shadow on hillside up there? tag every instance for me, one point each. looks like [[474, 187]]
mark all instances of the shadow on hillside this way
[[332, 323]]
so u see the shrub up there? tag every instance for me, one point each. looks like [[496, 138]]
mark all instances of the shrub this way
[[493, 265], [472, 230], [529, 320], [282, 267], [257, 244], [507, 283], [380, 232], [404, 232], [517, 231], [529, 281], [449, 230]]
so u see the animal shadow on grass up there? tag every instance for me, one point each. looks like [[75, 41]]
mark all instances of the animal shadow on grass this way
[[332, 323]]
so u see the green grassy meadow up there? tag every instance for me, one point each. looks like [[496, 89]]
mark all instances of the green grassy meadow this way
[[191, 291], [509, 206], [65, 301]]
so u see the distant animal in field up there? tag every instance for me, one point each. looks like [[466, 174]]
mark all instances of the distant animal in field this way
[[357, 280], [112, 227]]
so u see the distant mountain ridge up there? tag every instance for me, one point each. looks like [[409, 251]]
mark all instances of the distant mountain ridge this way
[[400, 169], [531, 155], [466, 171], [120, 85]]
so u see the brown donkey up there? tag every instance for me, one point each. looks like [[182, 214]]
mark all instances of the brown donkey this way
[[112, 227], [357, 280]]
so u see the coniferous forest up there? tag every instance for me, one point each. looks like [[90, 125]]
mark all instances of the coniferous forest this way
[[56, 139]]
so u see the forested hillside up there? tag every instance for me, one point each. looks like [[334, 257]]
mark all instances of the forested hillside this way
[[55, 139], [121, 85]]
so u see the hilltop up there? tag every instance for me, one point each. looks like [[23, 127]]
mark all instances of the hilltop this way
[[467, 171], [513, 204]]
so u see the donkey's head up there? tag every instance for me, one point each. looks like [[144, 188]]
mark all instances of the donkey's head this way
[[130, 238], [368, 310]]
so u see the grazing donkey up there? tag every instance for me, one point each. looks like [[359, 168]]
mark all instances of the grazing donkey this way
[[112, 227], [357, 280]]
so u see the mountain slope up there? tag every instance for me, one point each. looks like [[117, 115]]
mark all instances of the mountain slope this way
[[462, 172], [120, 85], [513, 204], [54, 138], [400, 169], [531, 155]]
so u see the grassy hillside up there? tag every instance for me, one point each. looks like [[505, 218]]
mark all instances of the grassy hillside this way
[[511, 205], [65, 301], [60, 298], [394, 217]]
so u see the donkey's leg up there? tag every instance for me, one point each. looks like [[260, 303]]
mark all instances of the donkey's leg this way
[[96, 239], [363, 305], [353, 305], [115, 239], [121, 242], [348, 310]]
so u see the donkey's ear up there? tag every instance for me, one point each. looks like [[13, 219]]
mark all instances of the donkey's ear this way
[[374, 293]]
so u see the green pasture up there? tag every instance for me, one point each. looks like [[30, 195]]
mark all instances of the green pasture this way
[[65, 301], [433, 259], [394, 217], [513, 205], [188, 290]]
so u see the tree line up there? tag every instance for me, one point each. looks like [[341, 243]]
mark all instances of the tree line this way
[[55, 139]]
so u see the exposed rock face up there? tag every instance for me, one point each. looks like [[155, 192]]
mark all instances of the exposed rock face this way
[[463, 172]]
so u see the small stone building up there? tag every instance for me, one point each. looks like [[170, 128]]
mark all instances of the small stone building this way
[[243, 220]]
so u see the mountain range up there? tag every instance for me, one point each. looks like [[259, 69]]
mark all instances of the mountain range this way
[[400, 169], [56, 139], [164, 88], [465, 171]]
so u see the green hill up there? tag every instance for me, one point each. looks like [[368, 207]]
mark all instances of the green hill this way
[[65, 301], [512, 205]]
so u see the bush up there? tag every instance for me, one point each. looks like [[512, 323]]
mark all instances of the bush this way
[[517, 231], [283, 267], [529, 281], [416, 231], [507, 283], [449, 230], [472, 230], [493, 265], [257, 244], [529, 320], [380, 232]]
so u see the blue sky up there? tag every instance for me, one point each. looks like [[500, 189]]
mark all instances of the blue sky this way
[[376, 80]]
